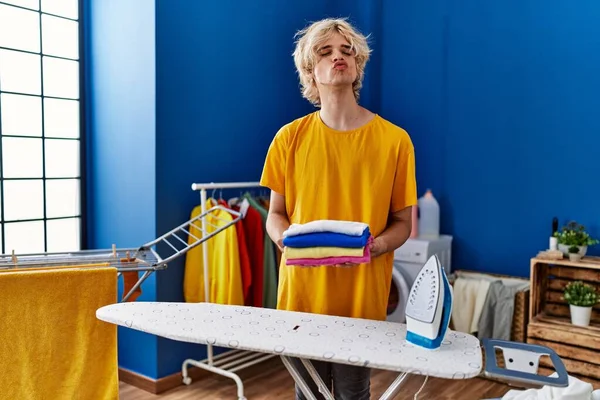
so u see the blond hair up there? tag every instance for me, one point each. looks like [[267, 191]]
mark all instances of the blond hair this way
[[310, 39]]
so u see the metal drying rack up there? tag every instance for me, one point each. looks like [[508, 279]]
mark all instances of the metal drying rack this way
[[143, 259], [146, 259], [229, 362]]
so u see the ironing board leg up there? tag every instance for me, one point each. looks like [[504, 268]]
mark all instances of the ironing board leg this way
[[392, 390], [317, 378], [298, 378], [389, 394]]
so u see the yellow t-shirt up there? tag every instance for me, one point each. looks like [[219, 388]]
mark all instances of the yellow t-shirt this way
[[358, 175]]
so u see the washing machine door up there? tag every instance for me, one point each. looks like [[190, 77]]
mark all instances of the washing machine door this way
[[399, 291]]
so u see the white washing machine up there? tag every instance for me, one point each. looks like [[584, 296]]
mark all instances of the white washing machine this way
[[408, 261]]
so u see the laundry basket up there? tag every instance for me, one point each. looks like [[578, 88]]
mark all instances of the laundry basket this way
[[520, 318]]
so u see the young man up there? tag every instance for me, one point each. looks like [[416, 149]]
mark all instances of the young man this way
[[342, 162]]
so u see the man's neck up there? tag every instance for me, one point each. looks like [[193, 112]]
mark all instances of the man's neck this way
[[340, 111]]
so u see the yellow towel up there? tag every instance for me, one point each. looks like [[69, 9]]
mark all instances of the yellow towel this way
[[52, 346], [46, 267], [322, 252]]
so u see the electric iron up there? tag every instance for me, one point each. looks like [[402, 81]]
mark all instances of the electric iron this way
[[429, 306]]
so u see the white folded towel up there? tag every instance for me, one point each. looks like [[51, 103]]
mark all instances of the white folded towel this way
[[577, 390], [327, 225]]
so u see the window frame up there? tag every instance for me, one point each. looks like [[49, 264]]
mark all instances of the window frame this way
[[83, 209]]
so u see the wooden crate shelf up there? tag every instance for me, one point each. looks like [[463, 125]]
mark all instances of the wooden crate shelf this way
[[550, 320]]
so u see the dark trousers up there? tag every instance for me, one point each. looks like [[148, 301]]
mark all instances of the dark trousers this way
[[348, 382]]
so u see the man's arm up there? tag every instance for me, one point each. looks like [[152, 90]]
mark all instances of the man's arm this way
[[277, 219], [395, 234]]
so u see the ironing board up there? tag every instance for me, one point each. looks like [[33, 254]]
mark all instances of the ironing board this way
[[353, 341]]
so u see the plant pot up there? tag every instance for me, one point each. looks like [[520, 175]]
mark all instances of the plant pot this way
[[580, 316], [574, 257], [565, 249]]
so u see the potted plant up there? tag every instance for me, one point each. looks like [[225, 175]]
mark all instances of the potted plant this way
[[574, 234], [574, 253], [581, 297]]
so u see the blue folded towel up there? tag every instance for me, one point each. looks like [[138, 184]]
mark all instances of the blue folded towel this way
[[327, 239]]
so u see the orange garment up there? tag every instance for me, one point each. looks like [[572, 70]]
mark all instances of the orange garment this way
[[253, 232], [357, 175], [130, 278], [245, 268]]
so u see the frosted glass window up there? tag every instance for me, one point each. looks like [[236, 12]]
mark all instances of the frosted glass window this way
[[60, 37], [40, 126], [22, 157], [62, 158], [24, 237], [62, 198], [19, 28], [21, 115], [23, 200], [33, 4], [20, 72], [61, 78], [63, 235], [61, 118], [64, 8]]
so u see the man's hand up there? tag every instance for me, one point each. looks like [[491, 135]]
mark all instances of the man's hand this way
[[279, 243], [377, 248], [394, 236]]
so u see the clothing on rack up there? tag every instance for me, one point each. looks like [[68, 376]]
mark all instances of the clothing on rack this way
[[223, 259], [254, 236], [241, 258], [270, 258], [245, 268]]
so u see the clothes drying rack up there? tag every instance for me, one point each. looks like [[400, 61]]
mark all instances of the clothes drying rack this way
[[126, 260], [229, 362], [146, 259]]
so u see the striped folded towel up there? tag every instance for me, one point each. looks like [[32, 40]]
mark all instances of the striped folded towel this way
[[350, 228], [327, 242]]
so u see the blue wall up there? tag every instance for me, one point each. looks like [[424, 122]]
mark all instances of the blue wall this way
[[225, 84], [501, 99], [492, 95], [121, 135]]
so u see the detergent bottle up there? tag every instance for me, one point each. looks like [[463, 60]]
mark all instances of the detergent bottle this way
[[429, 216]]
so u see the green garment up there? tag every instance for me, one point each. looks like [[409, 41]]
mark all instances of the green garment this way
[[270, 259]]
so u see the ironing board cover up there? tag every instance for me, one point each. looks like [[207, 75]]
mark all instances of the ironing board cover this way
[[376, 344]]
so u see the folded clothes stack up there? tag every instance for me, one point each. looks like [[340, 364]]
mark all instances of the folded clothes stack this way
[[327, 242]]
